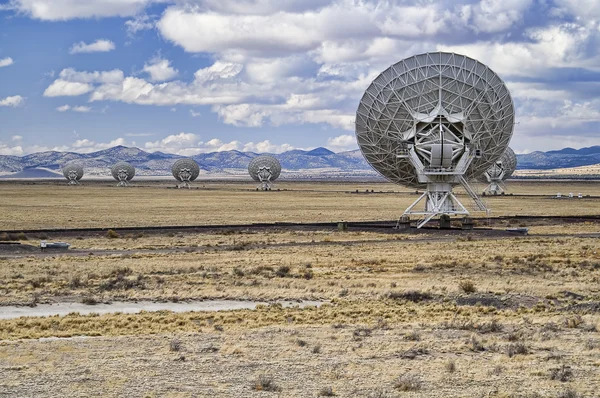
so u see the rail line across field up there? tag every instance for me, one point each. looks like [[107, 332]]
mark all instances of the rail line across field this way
[[351, 225]]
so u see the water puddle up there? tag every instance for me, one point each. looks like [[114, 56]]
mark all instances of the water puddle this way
[[61, 309]]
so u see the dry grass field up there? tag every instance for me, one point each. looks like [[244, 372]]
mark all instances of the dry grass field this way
[[101, 204], [403, 315]]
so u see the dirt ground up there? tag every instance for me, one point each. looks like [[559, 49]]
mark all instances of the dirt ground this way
[[403, 315]]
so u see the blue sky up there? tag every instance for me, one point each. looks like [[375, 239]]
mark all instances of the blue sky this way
[[190, 76]]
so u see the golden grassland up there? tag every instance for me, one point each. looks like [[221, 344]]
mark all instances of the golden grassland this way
[[36, 206], [428, 315], [319, 265]]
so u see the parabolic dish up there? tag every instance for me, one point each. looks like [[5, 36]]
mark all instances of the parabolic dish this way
[[184, 168], [265, 162], [73, 171], [502, 168], [123, 171], [429, 99]]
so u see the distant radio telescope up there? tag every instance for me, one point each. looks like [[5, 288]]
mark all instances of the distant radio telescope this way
[[430, 122], [123, 172], [73, 172], [185, 171], [499, 172], [265, 169]]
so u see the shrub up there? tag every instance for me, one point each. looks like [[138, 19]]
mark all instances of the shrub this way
[[517, 349], [326, 392], [316, 349], [451, 366], [175, 345], [265, 383], [476, 345], [112, 234], [569, 393], [410, 295], [564, 373], [89, 300], [283, 271], [412, 336], [407, 382], [467, 286]]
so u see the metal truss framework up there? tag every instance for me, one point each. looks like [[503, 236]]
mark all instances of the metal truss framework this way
[[500, 171], [123, 172], [73, 173], [431, 120], [185, 171], [265, 169]]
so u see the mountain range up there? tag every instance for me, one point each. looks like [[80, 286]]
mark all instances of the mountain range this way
[[567, 157], [296, 162], [319, 160]]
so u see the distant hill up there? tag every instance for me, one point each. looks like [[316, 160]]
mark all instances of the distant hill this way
[[567, 157], [158, 163], [319, 161], [34, 173]]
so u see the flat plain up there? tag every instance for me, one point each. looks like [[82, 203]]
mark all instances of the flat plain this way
[[430, 314]]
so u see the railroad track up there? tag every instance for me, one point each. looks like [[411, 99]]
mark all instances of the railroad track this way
[[352, 225]]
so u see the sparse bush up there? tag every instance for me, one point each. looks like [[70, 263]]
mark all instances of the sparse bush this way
[[517, 349], [361, 332], [175, 345], [451, 366], [569, 393], [89, 300], [301, 343], [283, 271], [266, 383], [407, 382], [112, 234], [120, 282], [412, 336], [591, 344], [414, 352], [343, 293], [379, 393], [327, 392], [411, 295], [316, 349], [573, 322], [308, 274], [467, 286], [476, 345], [564, 373], [218, 328], [75, 282]]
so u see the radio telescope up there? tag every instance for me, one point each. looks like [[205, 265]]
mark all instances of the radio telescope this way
[[73, 172], [498, 172], [265, 169], [431, 121], [123, 172], [185, 171]]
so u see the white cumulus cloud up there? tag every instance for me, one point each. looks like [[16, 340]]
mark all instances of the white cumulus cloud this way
[[188, 144], [342, 142], [160, 70], [12, 101], [62, 10], [99, 46], [6, 61]]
